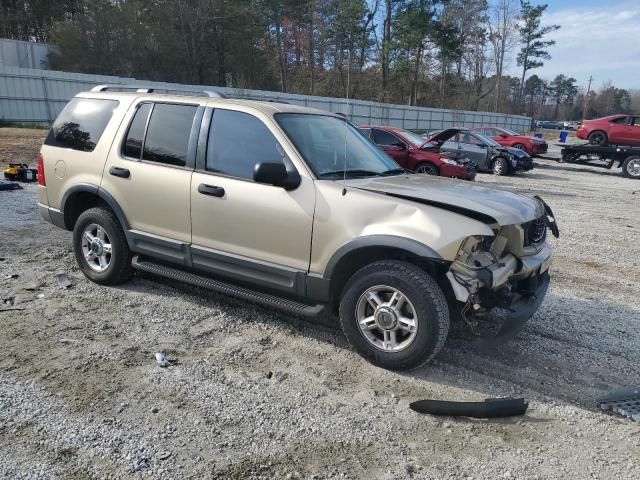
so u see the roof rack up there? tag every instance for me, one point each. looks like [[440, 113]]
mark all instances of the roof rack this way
[[141, 89]]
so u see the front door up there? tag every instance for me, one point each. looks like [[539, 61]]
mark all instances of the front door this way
[[241, 229], [618, 131], [392, 146], [475, 149]]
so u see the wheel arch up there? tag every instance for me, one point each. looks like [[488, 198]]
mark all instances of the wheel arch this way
[[362, 251], [83, 196]]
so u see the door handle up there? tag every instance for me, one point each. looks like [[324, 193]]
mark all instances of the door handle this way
[[120, 172], [212, 190]]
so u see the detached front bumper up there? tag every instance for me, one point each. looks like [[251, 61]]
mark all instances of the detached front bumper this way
[[507, 293]]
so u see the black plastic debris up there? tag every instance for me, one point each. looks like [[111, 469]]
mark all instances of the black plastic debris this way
[[9, 185], [490, 408], [625, 402]]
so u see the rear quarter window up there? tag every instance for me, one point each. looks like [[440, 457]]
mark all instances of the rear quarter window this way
[[81, 124]]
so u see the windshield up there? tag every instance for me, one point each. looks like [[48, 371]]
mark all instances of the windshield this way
[[324, 140], [488, 140], [510, 132], [414, 138]]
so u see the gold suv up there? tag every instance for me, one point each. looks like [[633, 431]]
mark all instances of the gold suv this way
[[293, 208]]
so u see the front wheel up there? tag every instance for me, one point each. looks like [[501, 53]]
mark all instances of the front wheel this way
[[631, 167], [427, 168], [500, 166], [101, 248], [394, 315]]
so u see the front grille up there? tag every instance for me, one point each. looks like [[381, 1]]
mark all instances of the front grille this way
[[535, 231]]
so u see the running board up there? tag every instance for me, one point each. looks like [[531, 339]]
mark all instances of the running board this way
[[281, 303]]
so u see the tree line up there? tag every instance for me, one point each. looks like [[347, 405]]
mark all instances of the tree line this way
[[438, 53]]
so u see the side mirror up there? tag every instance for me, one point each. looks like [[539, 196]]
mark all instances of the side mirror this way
[[503, 135], [275, 174]]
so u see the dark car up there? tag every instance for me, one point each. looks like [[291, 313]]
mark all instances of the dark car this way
[[615, 129], [487, 154], [509, 138], [420, 155]]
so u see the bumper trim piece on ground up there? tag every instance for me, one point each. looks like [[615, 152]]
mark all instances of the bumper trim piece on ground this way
[[490, 408]]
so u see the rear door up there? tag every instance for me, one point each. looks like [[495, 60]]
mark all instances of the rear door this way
[[392, 146], [245, 230], [149, 171]]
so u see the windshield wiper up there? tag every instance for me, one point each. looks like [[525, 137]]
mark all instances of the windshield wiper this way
[[354, 172], [395, 171]]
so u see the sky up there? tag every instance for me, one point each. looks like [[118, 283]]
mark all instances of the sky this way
[[597, 37]]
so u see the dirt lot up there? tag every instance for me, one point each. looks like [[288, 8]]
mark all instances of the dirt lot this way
[[20, 145], [254, 393]]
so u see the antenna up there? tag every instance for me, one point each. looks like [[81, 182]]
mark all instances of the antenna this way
[[346, 130]]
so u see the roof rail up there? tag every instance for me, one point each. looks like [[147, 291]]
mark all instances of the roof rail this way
[[139, 89], [104, 88]]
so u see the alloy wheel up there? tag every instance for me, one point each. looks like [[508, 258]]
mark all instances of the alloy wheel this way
[[633, 167], [96, 247], [387, 318]]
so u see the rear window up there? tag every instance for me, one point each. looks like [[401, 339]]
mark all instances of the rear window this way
[[81, 124]]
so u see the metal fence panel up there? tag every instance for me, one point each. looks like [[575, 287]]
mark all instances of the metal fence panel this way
[[38, 96]]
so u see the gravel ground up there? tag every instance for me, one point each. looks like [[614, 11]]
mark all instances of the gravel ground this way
[[254, 393]]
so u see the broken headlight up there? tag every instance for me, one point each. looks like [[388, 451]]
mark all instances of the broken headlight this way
[[475, 252]]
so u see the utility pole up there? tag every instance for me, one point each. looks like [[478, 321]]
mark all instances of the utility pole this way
[[586, 98]]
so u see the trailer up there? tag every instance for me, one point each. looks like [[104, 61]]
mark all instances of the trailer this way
[[627, 157]]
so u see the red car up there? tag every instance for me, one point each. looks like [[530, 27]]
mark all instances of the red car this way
[[508, 138], [414, 153], [615, 129]]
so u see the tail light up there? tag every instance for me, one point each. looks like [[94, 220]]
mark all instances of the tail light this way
[[41, 180]]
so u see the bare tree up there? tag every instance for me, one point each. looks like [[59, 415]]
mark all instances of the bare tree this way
[[502, 35]]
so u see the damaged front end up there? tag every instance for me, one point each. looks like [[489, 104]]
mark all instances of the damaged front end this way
[[500, 281]]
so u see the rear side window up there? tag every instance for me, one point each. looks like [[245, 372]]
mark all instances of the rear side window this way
[[621, 120], [81, 124], [237, 142], [167, 139], [135, 135]]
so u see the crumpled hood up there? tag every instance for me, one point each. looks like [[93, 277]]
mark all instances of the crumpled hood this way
[[505, 207], [516, 152]]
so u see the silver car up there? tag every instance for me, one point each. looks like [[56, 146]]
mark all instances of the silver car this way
[[487, 153]]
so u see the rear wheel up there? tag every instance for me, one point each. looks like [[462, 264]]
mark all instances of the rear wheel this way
[[101, 248], [598, 138], [427, 168], [394, 315], [500, 166], [631, 167]]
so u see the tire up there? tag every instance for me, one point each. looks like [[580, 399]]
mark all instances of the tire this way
[[424, 304], [427, 168], [520, 146], [598, 137], [631, 167], [500, 166], [103, 226]]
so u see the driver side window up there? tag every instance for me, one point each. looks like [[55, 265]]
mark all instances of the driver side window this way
[[237, 142], [380, 137]]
